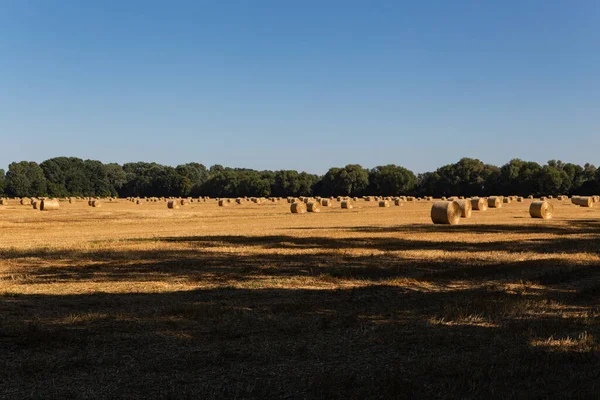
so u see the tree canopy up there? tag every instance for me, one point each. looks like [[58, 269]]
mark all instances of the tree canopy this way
[[70, 176]]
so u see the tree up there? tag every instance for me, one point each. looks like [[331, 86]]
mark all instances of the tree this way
[[2, 181], [195, 174], [391, 180], [25, 179]]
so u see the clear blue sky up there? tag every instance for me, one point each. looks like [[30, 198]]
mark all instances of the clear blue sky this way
[[300, 84]]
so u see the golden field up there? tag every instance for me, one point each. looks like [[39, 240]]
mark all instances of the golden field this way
[[251, 301]]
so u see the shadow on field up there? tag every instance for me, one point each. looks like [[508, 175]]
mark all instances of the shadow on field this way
[[369, 342], [459, 326]]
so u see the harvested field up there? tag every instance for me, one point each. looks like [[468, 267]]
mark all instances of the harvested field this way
[[252, 301]]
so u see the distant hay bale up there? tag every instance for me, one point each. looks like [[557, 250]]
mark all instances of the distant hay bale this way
[[583, 201], [507, 200], [530, 197], [138, 201], [313, 206], [34, 204], [444, 198], [384, 203], [541, 209], [398, 202], [184, 202], [298, 207], [325, 202], [25, 202], [3, 202], [49, 205], [445, 212], [479, 204], [223, 203], [465, 208], [519, 199], [239, 200], [173, 204], [96, 203], [494, 202], [347, 204]]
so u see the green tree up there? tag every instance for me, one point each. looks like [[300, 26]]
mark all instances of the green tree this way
[[25, 179], [391, 180]]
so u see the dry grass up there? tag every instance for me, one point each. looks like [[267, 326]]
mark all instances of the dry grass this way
[[252, 301]]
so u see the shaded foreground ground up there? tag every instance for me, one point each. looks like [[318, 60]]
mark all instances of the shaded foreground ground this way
[[253, 302]]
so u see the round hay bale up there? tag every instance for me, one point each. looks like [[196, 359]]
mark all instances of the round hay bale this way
[[173, 204], [347, 204], [34, 204], [25, 202], [519, 199], [541, 209], [507, 200], [445, 212], [298, 207], [583, 201], [494, 202], [223, 203], [3, 202], [239, 200], [325, 202], [49, 205], [479, 204], [398, 202], [465, 208], [184, 202], [384, 203], [96, 203], [313, 206]]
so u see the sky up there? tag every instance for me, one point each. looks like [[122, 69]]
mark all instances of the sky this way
[[306, 85]]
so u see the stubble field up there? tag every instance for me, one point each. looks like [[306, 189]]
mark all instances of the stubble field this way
[[251, 301]]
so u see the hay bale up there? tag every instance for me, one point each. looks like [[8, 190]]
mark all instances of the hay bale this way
[[34, 204], [445, 212], [494, 202], [223, 203], [519, 199], [96, 203], [465, 208], [347, 204], [384, 203], [173, 204], [507, 200], [479, 204], [541, 209], [298, 207], [583, 201], [49, 205], [239, 200], [398, 202], [25, 202], [3, 202], [313, 206], [325, 202], [184, 202]]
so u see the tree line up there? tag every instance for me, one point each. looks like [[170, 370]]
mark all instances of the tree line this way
[[70, 176]]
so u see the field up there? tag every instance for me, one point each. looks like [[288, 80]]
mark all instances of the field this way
[[251, 301]]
